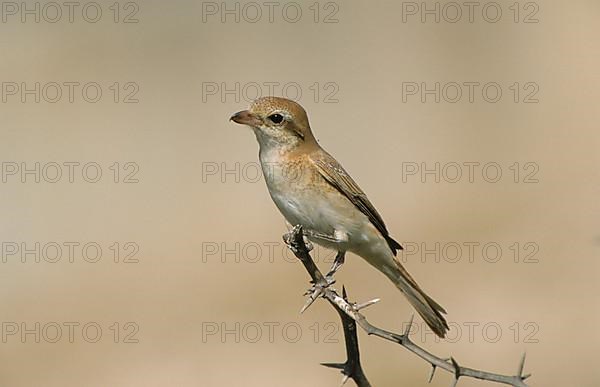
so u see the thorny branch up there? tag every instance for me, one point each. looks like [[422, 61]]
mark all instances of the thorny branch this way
[[351, 316]]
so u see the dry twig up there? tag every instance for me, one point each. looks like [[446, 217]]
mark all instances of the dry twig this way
[[351, 316]]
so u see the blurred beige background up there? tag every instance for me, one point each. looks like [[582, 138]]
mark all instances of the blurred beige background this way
[[213, 298]]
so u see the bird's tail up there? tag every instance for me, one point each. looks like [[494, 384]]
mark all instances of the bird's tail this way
[[429, 310]]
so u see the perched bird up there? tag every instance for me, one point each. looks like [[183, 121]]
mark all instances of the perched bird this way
[[310, 188]]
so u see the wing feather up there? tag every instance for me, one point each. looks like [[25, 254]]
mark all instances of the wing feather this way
[[337, 176]]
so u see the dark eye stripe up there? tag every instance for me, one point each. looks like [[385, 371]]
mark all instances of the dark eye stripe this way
[[276, 118]]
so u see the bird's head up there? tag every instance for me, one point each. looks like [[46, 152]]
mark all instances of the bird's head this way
[[277, 122]]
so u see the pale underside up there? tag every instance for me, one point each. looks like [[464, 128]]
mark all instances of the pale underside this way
[[330, 219]]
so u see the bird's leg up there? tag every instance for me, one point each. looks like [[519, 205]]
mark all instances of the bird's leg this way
[[319, 283], [339, 258], [318, 235], [337, 264], [317, 288]]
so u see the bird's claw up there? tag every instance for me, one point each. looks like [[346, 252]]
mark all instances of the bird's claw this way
[[288, 239], [313, 293], [316, 290], [308, 244]]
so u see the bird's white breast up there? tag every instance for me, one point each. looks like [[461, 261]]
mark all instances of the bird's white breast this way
[[317, 207]]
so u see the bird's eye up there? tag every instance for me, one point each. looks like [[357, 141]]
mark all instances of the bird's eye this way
[[276, 118]]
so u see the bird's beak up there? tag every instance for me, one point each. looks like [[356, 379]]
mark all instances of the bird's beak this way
[[246, 118]]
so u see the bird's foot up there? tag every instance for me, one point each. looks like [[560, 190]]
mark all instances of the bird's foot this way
[[316, 290], [288, 238]]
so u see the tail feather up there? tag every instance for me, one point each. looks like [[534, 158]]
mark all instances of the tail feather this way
[[427, 308]]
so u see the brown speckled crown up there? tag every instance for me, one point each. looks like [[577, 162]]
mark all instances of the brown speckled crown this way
[[266, 105]]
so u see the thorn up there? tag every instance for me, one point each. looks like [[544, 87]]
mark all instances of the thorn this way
[[433, 368], [339, 366], [456, 371], [344, 294], [345, 379], [409, 326], [314, 295], [522, 365], [308, 303], [367, 304]]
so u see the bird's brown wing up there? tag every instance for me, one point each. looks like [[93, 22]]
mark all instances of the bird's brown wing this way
[[335, 174]]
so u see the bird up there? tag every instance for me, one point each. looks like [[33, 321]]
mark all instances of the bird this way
[[312, 189]]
